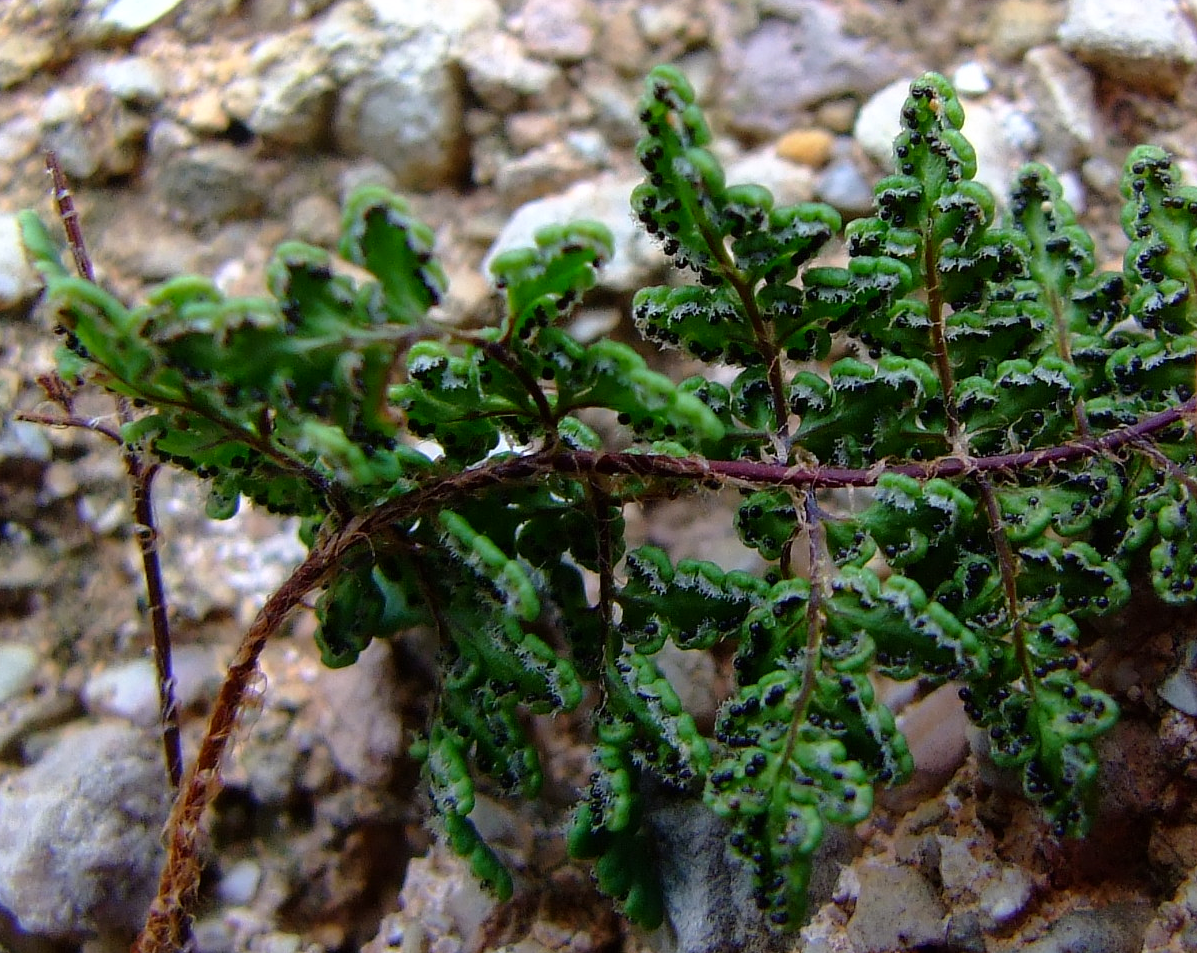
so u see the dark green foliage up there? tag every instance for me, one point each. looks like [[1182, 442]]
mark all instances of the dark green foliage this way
[[1012, 419]]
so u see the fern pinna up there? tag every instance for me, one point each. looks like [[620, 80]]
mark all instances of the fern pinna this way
[[1016, 421]]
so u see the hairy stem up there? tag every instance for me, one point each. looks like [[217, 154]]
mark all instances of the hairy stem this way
[[170, 912]]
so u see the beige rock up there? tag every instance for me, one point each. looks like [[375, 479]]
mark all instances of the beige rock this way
[[621, 43], [810, 147], [559, 29], [531, 129], [1017, 25], [21, 56], [838, 115]]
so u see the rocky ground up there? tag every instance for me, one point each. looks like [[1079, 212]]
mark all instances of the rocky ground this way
[[197, 135]]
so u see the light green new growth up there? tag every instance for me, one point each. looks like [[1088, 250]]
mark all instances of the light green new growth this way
[[1020, 421]]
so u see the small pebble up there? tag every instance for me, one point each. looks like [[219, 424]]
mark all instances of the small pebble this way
[[809, 147], [1118, 928], [661, 22], [1004, 899], [838, 115], [239, 883], [133, 16], [896, 910], [21, 440], [1016, 26], [971, 79], [589, 145], [1101, 175], [1073, 190], [132, 79], [18, 669], [80, 832], [128, 691], [843, 187], [559, 29], [276, 943], [788, 181], [1066, 112], [1180, 691]]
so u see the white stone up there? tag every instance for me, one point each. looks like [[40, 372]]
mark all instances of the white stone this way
[[80, 832], [23, 440], [294, 100], [605, 199], [456, 19], [18, 669], [880, 120], [133, 16], [661, 23], [842, 186], [18, 281], [406, 112], [559, 29], [1073, 191], [357, 715], [499, 72], [998, 133], [1066, 106], [788, 181], [239, 883], [1136, 41], [1005, 897], [971, 79], [18, 138], [1180, 691], [129, 690], [1100, 174], [132, 79]]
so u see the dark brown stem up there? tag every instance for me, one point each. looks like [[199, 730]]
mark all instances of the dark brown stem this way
[[1008, 567], [939, 344], [764, 343], [69, 215], [772, 474], [141, 479], [531, 385], [1064, 346], [82, 423], [817, 538], [764, 340], [600, 501]]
